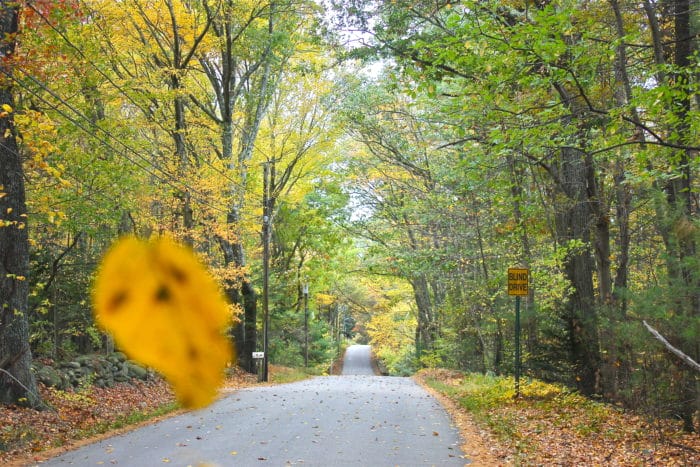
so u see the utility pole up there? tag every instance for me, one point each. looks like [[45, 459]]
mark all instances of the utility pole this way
[[266, 227], [341, 309], [306, 325]]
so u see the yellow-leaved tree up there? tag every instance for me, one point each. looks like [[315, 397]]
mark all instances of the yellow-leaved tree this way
[[392, 327]]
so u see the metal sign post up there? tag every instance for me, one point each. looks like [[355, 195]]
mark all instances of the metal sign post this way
[[258, 358], [518, 281], [517, 346]]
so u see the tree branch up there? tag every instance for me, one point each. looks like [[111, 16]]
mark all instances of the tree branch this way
[[692, 363]]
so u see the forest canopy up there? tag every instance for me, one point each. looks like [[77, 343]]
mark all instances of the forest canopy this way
[[367, 170]]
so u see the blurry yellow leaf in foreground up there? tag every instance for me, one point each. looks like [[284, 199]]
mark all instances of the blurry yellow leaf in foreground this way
[[165, 311]]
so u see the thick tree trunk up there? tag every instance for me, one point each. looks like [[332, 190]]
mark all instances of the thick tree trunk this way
[[601, 242], [236, 81], [576, 214], [250, 311], [178, 135], [17, 383], [573, 224]]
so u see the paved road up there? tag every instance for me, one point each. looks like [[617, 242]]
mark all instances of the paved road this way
[[357, 360], [353, 419]]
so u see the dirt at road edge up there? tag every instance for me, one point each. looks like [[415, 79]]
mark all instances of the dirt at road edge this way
[[476, 444]]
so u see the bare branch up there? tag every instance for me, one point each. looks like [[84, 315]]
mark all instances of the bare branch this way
[[692, 363]]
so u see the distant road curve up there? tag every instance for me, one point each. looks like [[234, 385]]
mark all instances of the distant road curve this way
[[358, 360]]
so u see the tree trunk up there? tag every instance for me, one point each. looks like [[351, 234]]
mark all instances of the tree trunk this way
[[425, 332], [183, 158], [573, 220], [600, 209], [618, 367], [223, 79], [623, 209], [244, 333], [17, 383]]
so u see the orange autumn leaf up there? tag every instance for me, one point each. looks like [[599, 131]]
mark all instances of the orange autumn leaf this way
[[165, 311]]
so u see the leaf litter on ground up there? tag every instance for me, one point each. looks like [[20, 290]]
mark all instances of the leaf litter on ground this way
[[550, 425], [28, 436]]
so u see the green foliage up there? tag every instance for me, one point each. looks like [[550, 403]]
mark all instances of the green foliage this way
[[401, 196], [462, 158], [488, 397], [401, 362], [61, 318], [282, 375]]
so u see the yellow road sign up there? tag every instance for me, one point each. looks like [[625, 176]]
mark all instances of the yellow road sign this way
[[518, 280]]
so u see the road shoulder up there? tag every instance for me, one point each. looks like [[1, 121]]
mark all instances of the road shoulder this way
[[478, 445]]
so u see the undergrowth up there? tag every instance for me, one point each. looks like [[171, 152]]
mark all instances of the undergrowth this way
[[282, 375], [550, 424]]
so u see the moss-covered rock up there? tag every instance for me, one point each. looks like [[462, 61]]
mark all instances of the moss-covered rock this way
[[137, 371], [51, 377]]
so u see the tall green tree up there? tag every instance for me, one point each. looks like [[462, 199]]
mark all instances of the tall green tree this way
[[592, 111], [17, 383], [250, 52], [676, 74]]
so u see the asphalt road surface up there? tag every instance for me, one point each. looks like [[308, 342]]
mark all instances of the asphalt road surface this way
[[357, 361], [354, 419]]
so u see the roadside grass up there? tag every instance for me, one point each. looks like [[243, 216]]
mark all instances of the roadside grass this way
[[128, 420], [553, 425], [283, 375]]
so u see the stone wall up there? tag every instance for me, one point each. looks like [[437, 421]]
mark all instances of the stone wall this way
[[85, 370]]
